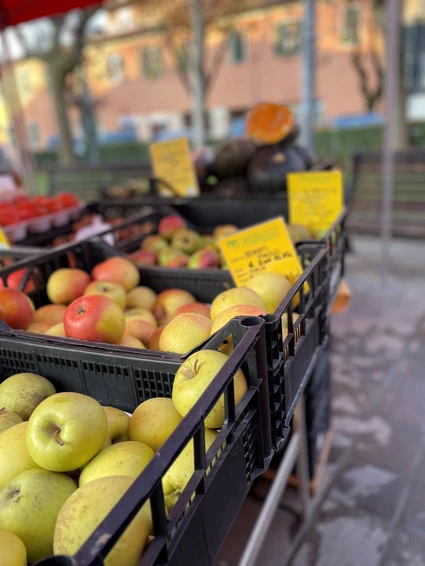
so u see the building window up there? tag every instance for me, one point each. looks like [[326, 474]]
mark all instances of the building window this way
[[351, 22], [152, 62], [33, 134], [236, 47], [288, 38], [115, 63]]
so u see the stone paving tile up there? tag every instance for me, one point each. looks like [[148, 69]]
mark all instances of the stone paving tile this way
[[363, 486], [406, 548], [414, 510], [350, 539], [400, 454]]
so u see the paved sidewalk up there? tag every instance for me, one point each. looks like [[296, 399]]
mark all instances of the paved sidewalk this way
[[372, 511]]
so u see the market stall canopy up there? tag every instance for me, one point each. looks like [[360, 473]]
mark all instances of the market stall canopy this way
[[13, 12]]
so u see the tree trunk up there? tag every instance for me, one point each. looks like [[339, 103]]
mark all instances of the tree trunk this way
[[57, 86], [401, 127], [197, 73]]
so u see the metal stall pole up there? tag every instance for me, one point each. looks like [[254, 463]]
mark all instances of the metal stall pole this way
[[295, 454], [391, 102]]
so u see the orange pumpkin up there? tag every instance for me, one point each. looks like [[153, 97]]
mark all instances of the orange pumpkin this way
[[269, 123]]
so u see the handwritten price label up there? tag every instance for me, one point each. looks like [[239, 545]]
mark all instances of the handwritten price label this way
[[315, 199], [172, 163], [263, 247]]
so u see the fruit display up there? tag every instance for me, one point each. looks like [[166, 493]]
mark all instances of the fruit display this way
[[23, 215], [68, 461], [109, 306]]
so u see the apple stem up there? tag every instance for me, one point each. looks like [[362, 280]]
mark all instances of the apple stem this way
[[56, 437], [2, 410]]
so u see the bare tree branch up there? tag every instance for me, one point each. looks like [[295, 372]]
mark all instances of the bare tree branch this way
[[216, 64]]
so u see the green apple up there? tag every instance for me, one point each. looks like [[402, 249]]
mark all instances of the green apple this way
[[195, 375], [14, 455], [86, 509], [186, 241], [184, 333], [180, 472], [66, 431], [30, 505], [271, 287], [8, 419], [123, 459], [13, 551], [21, 393], [118, 422], [153, 421]]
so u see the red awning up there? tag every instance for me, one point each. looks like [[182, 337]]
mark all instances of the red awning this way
[[14, 12]]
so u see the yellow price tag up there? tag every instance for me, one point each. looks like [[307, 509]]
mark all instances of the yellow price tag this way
[[4, 242], [260, 248], [315, 199], [172, 163]]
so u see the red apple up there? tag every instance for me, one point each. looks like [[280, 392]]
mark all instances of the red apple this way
[[16, 309], [168, 302], [203, 259], [154, 341], [14, 281], [118, 270], [198, 308], [95, 318], [50, 314], [142, 258], [139, 328], [169, 224]]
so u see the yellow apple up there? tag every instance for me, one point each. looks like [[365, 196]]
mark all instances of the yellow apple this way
[[153, 421], [131, 342], [184, 332], [122, 459], [56, 330], [113, 291], [14, 455], [141, 314], [86, 509], [195, 375], [233, 297], [13, 551], [29, 507], [21, 393], [141, 298], [180, 472], [66, 431], [8, 419], [226, 316], [271, 287]]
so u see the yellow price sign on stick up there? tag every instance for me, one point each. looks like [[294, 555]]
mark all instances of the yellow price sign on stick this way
[[260, 248], [4, 242], [315, 199], [172, 163]]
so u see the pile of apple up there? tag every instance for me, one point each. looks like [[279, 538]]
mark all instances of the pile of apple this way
[[109, 306], [66, 461], [176, 245]]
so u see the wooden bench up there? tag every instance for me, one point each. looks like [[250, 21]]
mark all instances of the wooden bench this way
[[87, 181], [365, 196]]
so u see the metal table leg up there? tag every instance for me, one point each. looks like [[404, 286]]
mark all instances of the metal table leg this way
[[295, 453]]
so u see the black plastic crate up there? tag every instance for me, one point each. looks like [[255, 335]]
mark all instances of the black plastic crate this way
[[211, 211], [289, 361], [207, 507]]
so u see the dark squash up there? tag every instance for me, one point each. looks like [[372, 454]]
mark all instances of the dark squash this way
[[233, 157], [268, 169]]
